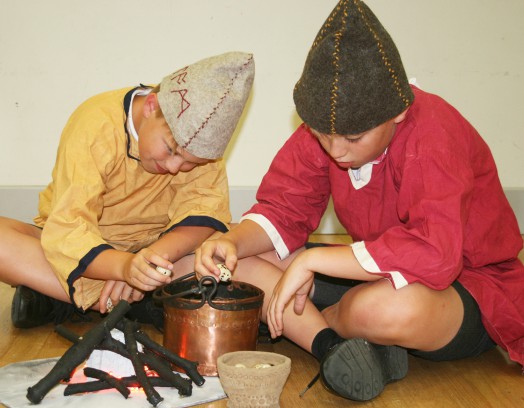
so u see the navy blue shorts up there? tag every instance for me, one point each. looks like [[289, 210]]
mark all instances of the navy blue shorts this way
[[471, 340]]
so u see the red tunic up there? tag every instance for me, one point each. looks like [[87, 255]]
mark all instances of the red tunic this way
[[434, 211]]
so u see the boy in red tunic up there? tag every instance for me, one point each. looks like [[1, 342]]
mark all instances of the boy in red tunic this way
[[416, 187]]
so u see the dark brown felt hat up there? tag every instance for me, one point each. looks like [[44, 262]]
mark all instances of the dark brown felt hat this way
[[353, 78]]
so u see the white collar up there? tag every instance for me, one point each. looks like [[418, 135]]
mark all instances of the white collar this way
[[130, 125], [362, 176]]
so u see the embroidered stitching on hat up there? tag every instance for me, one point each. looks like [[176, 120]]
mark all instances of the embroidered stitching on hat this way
[[320, 35], [334, 85], [181, 74], [215, 109], [329, 20], [385, 59]]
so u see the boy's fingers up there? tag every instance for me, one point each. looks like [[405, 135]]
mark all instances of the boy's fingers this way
[[278, 321], [160, 266], [153, 274], [210, 266], [137, 295], [199, 266], [300, 304], [274, 329], [145, 283], [126, 293], [274, 318], [103, 304], [269, 321], [231, 261], [104, 296], [152, 260]]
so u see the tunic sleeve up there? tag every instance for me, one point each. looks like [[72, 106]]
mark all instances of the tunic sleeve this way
[[71, 229], [294, 193]]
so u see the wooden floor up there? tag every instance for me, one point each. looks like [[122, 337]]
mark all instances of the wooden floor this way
[[490, 380]]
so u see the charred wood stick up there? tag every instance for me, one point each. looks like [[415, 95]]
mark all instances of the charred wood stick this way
[[153, 361], [108, 378], [108, 343], [111, 344], [93, 386], [67, 334], [163, 369], [152, 396], [76, 354], [190, 367]]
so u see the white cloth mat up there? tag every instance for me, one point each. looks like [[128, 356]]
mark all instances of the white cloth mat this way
[[16, 378]]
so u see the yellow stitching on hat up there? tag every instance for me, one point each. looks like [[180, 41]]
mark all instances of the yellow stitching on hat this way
[[327, 24], [387, 63], [222, 99], [334, 85], [322, 33]]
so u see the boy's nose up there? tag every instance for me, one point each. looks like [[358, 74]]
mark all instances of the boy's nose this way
[[337, 147], [173, 165]]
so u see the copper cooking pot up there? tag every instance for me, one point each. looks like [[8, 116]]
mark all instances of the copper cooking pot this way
[[204, 319]]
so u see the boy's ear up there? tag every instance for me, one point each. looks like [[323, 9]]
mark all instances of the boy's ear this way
[[400, 117], [150, 104]]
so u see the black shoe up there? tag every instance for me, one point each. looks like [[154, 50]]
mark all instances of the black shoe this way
[[358, 370], [31, 309]]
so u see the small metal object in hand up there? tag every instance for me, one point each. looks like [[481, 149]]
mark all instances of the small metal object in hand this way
[[225, 273]]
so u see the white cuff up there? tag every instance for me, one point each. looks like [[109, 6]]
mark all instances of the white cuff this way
[[271, 231], [368, 263]]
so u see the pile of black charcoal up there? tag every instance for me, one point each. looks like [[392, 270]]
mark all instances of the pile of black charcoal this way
[[153, 365]]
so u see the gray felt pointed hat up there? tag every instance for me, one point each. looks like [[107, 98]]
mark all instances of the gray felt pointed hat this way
[[202, 102], [353, 78]]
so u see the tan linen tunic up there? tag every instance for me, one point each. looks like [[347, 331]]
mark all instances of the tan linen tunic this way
[[100, 195]]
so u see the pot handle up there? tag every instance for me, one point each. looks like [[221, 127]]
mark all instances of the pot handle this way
[[207, 288]]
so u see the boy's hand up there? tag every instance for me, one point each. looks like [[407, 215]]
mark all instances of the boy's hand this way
[[212, 252], [115, 291], [140, 271], [297, 281]]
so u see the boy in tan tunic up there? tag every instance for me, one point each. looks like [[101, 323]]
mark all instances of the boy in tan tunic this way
[[138, 183]]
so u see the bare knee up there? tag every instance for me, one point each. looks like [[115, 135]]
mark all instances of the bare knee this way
[[415, 316], [373, 311], [13, 234], [9, 226], [384, 322]]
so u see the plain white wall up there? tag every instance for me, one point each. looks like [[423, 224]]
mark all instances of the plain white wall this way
[[56, 53]]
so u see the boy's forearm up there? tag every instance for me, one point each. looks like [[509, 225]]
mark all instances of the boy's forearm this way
[[181, 241], [250, 239], [108, 265], [338, 262]]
